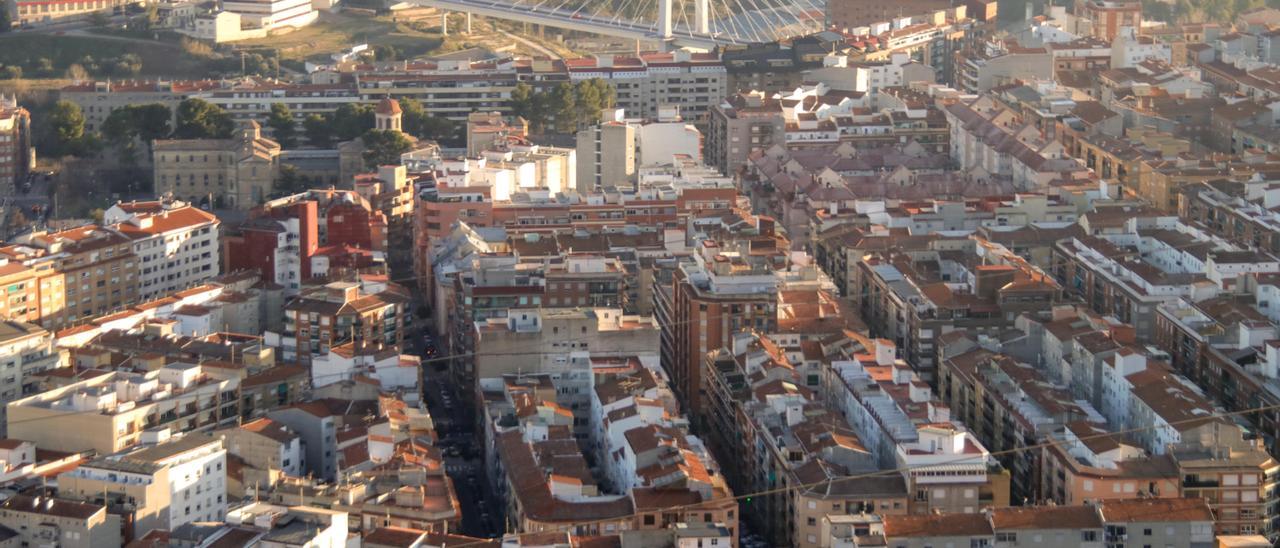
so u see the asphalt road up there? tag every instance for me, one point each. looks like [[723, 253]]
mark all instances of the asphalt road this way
[[455, 427]]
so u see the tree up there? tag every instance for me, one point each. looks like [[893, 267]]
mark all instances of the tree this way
[[589, 101], [261, 65], [66, 121], [199, 119], [438, 129], [129, 64], [607, 93], [6, 22], [152, 121], [1216, 10], [44, 66], [522, 99], [383, 52], [120, 131], [282, 127], [318, 130], [351, 121], [11, 72], [413, 116], [565, 105], [383, 147], [544, 106], [119, 128], [125, 126], [76, 73], [289, 182]]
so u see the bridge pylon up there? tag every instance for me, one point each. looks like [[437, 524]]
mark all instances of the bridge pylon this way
[[665, 29]]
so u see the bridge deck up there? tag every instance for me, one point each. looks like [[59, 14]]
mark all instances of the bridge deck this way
[[621, 28]]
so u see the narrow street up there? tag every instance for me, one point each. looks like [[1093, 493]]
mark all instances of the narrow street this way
[[464, 458]]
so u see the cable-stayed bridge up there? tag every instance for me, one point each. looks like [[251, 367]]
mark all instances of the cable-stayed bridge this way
[[701, 24]]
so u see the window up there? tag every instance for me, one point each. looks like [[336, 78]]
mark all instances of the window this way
[[1146, 532], [1006, 537], [1088, 536]]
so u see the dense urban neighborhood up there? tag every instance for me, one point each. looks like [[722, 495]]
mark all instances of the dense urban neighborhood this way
[[641, 274]]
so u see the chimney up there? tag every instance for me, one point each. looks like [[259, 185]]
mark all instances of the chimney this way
[[939, 413], [1271, 365], [795, 414], [901, 374], [886, 352]]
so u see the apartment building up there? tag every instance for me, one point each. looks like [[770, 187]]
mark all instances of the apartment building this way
[[1222, 208], [528, 428], [272, 14], [22, 301], [281, 247], [485, 130], [900, 422], [369, 313], [40, 520], [27, 351], [606, 156], [540, 340], [613, 150], [732, 284], [391, 193], [1109, 17], [180, 397], [251, 98], [741, 124], [650, 80], [98, 99], [759, 404], [851, 14], [446, 88], [136, 491], [978, 297], [238, 172], [268, 449], [995, 63], [97, 263], [275, 525], [654, 451], [37, 13], [410, 490], [1151, 261], [15, 146], [1186, 523], [176, 245], [1085, 464], [163, 486], [994, 138], [1010, 407]]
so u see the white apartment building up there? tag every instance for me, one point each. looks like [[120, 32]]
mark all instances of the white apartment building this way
[[693, 81], [197, 466], [251, 98], [176, 244], [272, 14], [109, 413], [25, 349], [292, 526]]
